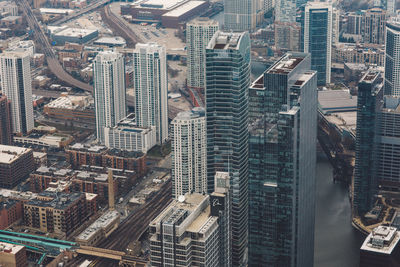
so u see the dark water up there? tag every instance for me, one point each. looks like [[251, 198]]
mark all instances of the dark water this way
[[337, 244]]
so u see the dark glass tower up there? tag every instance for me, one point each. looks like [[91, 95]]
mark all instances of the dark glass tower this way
[[282, 158], [365, 183], [227, 85]]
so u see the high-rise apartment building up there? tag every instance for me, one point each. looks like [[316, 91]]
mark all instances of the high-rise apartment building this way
[[365, 183], [185, 234], [285, 10], [189, 149], [354, 23], [374, 23], [5, 121], [151, 88], [282, 162], [318, 38], [198, 33], [287, 30], [109, 90], [16, 84], [392, 58], [227, 84], [240, 15], [15, 165]]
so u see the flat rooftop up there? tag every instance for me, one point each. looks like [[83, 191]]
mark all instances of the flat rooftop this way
[[158, 4], [75, 32], [55, 11], [370, 76], [9, 154], [189, 115], [382, 239], [258, 83], [186, 7], [225, 40], [202, 21], [286, 64], [10, 248], [111, 41], [332, 101], [105, 220]]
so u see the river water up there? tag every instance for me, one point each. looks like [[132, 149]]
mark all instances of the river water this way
[[337, 243]]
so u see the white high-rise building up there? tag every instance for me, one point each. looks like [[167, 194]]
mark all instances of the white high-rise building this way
[[198, 33], [151, 88], [109, 90], [240, 15], [189, 148], [392, 58], [16, 84]]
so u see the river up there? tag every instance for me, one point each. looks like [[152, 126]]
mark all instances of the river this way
[[337, 243]]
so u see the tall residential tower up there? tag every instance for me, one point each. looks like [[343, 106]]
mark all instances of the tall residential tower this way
[[109, 91], [240, 15], [392, 58], [189, 159], [16, 83], [151, 88], [227, 84]]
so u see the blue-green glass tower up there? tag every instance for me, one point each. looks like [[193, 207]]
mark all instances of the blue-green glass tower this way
[[227, 85], [282, 158], [365, 183]]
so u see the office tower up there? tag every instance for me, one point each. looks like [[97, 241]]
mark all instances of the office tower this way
[[392, 58], [221, 205], [240, 15], [364, 182], [189, 159], [16, 83], [185, 234], [391, 7], [388, 144], [381, 248], [318, 38], [198, 33], [374, 22], [151, 88], [5, 121], [282, 162], [335, 25], [227, 84], [109, 90]]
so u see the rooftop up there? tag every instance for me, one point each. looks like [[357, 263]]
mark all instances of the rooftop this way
[[225, 40], [75, 32], [258, 83], [9, 154], [203, 21], [159, 4], [391, 104], [382, 239], [58, 200], [55, 10], [186, 7], [10, 248], [370, 76], [105, 220], [189, 115], [286, 64], [88, 148], [111, 41], [336, 101], [71, 102]]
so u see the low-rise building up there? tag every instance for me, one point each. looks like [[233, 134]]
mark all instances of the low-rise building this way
[[10, 212], [15, 165], [58, 213], [11, 21], [8, 8], [369, 54], [116, 41], [38, 139], [12, 255], [72, 108], [126, 135], [74, 35], [100, 229]]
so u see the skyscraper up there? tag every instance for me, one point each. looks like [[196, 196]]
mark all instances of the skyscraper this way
[[151, 88], [374, 22], [392, 58], [109, 90], [16, 83], [5, 121], [198, 33], [189, 148], [240, 15], [282, 162], [285, 11], [227, 84], [318, 38], [365, 183]]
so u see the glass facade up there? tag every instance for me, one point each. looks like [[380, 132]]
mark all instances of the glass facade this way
[[282, 165], [365, 183], [227, 84]]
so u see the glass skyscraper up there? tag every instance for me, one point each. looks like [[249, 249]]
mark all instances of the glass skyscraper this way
[[227, 85], [365, 183], [282, 158], [318, 38], [392, 58], [240, 15]]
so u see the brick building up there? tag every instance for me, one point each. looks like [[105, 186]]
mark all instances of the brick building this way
[[10, 212], [15, 165]]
